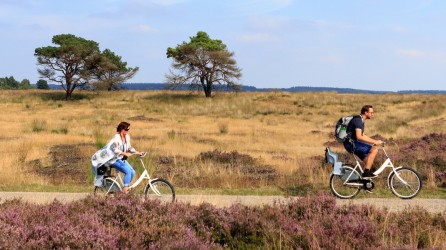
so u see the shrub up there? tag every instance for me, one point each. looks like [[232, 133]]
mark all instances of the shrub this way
[[127, 222], [230, 158], [99, 138], [223, 128], [413, 153], [171, 134], [38, 125]]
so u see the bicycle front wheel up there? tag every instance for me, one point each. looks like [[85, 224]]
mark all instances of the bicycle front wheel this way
[[406, 183], [109, 186], [349, 189], [161, 190]]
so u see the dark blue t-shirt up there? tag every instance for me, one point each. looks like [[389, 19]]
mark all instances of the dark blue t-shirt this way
[[355, 123]]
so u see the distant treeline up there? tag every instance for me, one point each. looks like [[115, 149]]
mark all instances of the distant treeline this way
[[162, 86], [12, 83]]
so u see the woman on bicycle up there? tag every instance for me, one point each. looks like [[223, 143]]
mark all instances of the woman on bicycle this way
[[121, 147]]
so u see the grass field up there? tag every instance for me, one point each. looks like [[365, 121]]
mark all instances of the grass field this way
[[233, 143]]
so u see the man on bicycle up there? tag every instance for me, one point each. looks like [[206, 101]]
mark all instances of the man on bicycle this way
[[361, 143]]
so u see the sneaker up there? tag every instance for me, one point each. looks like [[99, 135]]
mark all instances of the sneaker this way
[[368, 175]]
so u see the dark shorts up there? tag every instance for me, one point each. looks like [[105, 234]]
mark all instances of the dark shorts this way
[[362, 149]]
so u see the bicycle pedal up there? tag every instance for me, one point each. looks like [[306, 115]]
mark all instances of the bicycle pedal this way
[[369, 191]]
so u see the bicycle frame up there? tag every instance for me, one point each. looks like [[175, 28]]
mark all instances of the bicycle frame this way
[[144, 176], [386, 164]]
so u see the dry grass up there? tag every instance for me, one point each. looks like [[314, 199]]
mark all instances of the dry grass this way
[[285, 131]]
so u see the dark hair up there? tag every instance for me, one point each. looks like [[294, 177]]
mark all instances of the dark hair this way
[[366, 109], [122, 125]]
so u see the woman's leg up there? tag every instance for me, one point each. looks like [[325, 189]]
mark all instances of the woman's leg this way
[[128, 171], [131, 172]]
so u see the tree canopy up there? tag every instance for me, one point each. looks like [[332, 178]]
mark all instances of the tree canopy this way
[[42, 84], [203, 62], [109, 71], [77, 62], [65, 64]]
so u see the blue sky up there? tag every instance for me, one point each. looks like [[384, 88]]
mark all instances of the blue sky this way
[[363, 44]]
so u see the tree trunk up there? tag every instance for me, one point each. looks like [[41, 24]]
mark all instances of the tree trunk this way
[[208, 89], [68, 95], [68, 91], [207, 93]]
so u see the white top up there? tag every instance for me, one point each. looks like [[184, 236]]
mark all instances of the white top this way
[[118, 146], [111, 152]]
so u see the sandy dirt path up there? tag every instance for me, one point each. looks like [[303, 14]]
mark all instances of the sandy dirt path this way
[[393, 204]]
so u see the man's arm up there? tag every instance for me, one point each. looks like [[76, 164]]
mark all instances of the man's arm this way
[[362, 137]]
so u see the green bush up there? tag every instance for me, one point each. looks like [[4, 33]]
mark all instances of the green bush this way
[[38, 125]]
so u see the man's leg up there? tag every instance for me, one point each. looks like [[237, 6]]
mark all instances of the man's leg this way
[[367, 153], [370, 158], [369, 162]]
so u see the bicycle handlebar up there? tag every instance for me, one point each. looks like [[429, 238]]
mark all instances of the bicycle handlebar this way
[[383, 143], [142, 155]]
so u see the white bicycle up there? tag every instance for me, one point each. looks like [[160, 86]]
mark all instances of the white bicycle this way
[[155, 189], [346, 181]]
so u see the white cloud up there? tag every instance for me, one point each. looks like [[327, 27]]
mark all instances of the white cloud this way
[[259, 37], [257, 7], [333, 59], [400, 30], [267, 22], [274, 4], [144, 28], [168, 2], [411, 53], [439, 56]]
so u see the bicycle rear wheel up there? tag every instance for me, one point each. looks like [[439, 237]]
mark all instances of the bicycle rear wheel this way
[[109, 186], [349, 190], [405, 185], [162, 190]]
